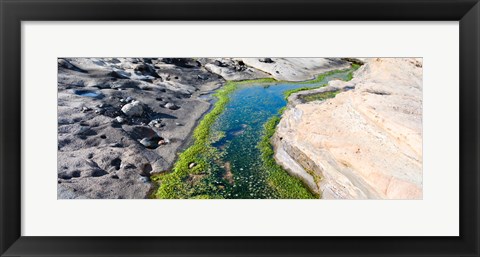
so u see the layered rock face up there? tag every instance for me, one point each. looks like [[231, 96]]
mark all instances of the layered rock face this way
[[366, 142]]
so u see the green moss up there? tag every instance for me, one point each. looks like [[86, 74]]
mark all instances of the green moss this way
[[201, 181], [175, 185], [256, 81], [321, 77], [354, 68], [286, 186], [320, 96], [288, 93], [217, 136], [316, 178]]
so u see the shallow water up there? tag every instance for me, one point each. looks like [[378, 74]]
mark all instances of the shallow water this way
[[88, 93], [250, 106]]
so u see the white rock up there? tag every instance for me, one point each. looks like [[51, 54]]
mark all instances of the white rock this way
[[119, 119], [133, 109]]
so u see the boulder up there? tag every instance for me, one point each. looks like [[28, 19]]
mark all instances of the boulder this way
[[366, 143], [266, 60], [133, 109]]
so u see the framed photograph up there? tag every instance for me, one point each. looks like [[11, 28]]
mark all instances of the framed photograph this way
[[239, 128]]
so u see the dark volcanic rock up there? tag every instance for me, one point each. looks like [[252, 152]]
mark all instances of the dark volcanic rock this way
[[182, 62], [266, 60]]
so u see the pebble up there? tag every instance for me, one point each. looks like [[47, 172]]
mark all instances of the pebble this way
[[191, 165], [171, 106], [144, 179], [146, 142], [119, 119], [154, 123], [133, 109]]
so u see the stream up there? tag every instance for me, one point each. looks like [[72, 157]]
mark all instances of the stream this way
[[241, 125]]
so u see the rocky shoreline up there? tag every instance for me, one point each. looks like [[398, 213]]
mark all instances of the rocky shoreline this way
[[365, 142], [121, 120]]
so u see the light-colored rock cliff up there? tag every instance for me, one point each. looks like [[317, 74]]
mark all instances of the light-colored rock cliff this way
[[366, 143], [296, 69]]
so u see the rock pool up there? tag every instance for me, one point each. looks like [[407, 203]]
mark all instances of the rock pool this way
[[226, 147], [242, 121]]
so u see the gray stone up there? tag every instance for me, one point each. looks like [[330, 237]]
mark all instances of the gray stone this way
[[119, 119], [146, 142], [133, 109], [172, 106], [266, 60]]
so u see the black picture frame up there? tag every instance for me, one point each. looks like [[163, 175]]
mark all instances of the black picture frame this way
[[13, 12]]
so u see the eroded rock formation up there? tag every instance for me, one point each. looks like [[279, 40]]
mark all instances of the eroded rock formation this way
[[366, 142]]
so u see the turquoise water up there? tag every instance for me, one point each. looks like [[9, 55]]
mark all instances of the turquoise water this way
[[250, 106]]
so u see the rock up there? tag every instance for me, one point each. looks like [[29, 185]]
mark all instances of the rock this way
[[365, 143], [115, 145], [119, 119], [162, 142], [266, 60], [119, 74], [145, 69], [147, 143], [182, 62], [296, 69], [354, 60], [144, 179], [133, 109], [154, 123], [172, 106], [191, 165], [118, 78], [86, 109], [67, 65], [178, 124], [202, 77]]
